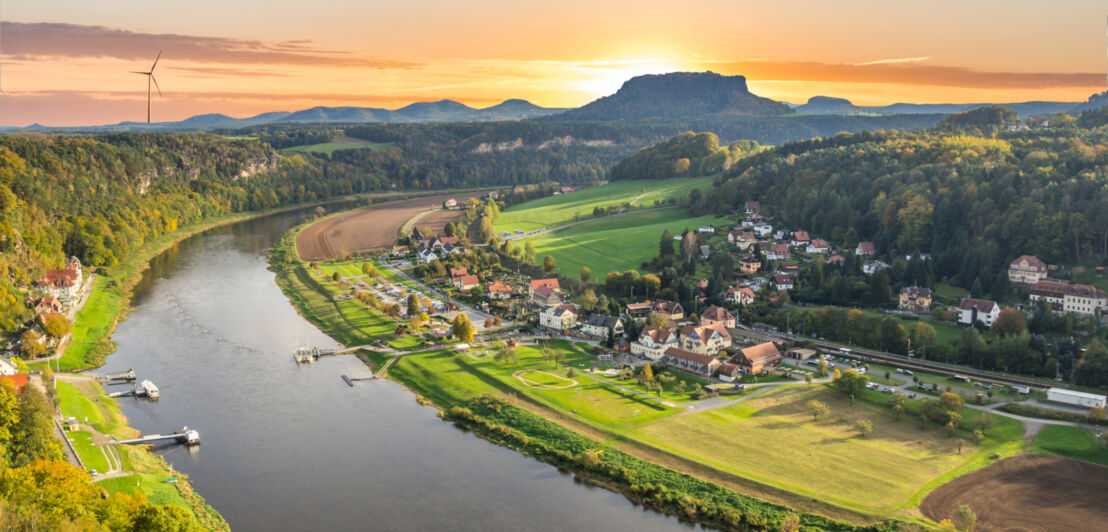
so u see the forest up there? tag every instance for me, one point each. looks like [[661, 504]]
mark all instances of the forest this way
[[687, 154]]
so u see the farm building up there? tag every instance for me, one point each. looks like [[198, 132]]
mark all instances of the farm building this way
[[1070, 397]]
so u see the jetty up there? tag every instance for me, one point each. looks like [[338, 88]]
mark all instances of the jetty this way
[[145, 389], [186, 436], [119, 376]]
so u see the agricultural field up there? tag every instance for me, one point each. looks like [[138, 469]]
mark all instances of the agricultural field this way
[[345, 143], [771, 438], [613, 243], [553, 211], [1071, 442]]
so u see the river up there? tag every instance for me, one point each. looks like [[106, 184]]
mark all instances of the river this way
[[294, 448]]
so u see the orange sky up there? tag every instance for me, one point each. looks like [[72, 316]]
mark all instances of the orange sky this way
[[68, 63]]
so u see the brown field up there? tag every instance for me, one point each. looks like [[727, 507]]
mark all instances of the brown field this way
[[1028, 492], [436, 221], [367, 229]]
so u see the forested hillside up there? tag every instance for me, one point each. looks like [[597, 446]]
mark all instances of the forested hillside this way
[[689, 153], [974, 202]]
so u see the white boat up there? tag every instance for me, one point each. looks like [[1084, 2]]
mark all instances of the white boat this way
[[150, 389]]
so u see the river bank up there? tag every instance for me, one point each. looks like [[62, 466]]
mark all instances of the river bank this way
[[594, 458]]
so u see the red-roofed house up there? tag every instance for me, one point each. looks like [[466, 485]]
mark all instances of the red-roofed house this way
[[801, 238], [865, 249], [742, 239], [653, 342], [783, 281], [1026, 270], [752, 207], [638, 311], [60, 284], [836, 259], [698, 363], [705, 339], [758, 359], [739, 295], [778, 252], [717, 315], [672, 309], [820, 246], [982, 310], [458, 273], [466, 283], [552, 283], [545, 294], [18, 381], [498, 290]]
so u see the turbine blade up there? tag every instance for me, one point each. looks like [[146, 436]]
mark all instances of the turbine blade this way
[[155, 62], [137, 72], [155, 80]]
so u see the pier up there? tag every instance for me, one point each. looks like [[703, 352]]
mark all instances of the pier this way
[[119, 376], [186, 436], [145, 389]]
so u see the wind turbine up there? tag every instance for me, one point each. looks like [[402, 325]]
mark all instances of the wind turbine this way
[[150, 78]]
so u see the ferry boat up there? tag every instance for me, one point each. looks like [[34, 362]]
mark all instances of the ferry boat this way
[[149, 389], [303, 354]]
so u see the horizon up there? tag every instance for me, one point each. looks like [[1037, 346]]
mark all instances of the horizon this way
[[71, 65]]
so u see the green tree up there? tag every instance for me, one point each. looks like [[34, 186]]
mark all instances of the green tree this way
[[529, 252], [665, 246], [462, 328], [548, 264], [585, 274], [851, 382], [967, 519], [413, 304], [864, 427], [1092, 368], [816, 409], [1010, 322], [924, 338], [588, 300], [33, 437]]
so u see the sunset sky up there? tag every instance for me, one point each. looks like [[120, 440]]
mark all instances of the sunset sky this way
[[67, 62]]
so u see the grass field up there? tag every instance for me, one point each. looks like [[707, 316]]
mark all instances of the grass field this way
[[73, 403], [553, 211], [1071, 442], [329, 148], [772, 439], [91, 455], [615, 243]]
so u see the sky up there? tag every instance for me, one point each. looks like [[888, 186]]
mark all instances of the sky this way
[[70, 62]]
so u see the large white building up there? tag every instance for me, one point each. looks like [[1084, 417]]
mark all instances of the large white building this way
[[1027, 269], [1070, 397], [982, 310], [559, 317]]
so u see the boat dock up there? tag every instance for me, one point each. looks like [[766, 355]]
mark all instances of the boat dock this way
[[145, 389], [186, 436], [119, 376]]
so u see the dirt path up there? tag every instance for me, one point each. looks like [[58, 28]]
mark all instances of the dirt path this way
[[371, 228], [1028, 492]]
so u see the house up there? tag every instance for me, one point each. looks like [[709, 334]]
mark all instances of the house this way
[[622, 345], [778, 252], [705, 252], [742, 239], [598, 325], [865, 249], [729, 372], [398, 251], [1026, 270], [971, 310], [915, 298], [6, 367], [466, 283], [458, 273], [1051, 291], [449, 249], [450, 204], [638, 311], [425, 256], [498, 290], [762, 229], [60, 284], [558, 317], [752, 207], [739, 295], [836, 259], [546, 295], [713, 315], [653, 342], [705, 339], [698, 363], [45, 305], [801, 353], [819, 246], [750, 264], [783, 281], [670, 308], [801, 238], [790, 268], [1085, 299], [871, 268], [543, 290], [706, 229], [761, 358], [17, 381]]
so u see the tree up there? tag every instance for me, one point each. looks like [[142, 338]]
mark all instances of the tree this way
[[413, 304], [529, 252], [851, 382], [585, 274], [462, 328], [808, 378], [56, 326], [31, 344], [450, 229], [864, 427], [588, 300], [33, 437], [665, 246], [821, 367], [370, 270], [548, 264], [985, 421], [689, 248], [966, 518], [896, 403], [1097, 414], [893, 338], [657, 318], [1092, 368], [817, 409], [951, 401], [336, 277], [790, 523], [485, 231], [647, 372], [924, 337], [1010, 322]]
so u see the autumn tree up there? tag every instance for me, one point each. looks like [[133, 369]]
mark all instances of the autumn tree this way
[[864, 427], [588, 300], [647, 372], [548, 264], [817, 409], [585, 274], [56, 326], [1010, 322], [529, 252], [31, 344], [1096, 414], [657, 318], [462, 328]]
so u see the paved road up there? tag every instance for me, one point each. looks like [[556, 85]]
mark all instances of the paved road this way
[[475, 316]]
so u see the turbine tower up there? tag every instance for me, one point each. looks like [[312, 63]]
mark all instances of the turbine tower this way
[[150, 78]]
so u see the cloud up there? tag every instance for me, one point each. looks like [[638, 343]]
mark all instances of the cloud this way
[[890, 61], [28, 41], [903, 72], [214, 72]]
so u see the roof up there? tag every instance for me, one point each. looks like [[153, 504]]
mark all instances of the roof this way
[[750, 258], [705, 332], [64, 277], [656, 334], [458, 272], [752, 205], [601, 320], [552, 283], [780, 248], [916, 291], [452, 240], [782, 278], [728, 368], [18, 381], [498, 286], [801, 236], [1032, 261], [1074, 393], [820, 243], [674, 352], [560, 310], [761, 352], [867, 247], [982, 305], [663, 305], [470, 280], [544, 291], [716, 314], [1085, 290], [638, 306], [836, 258]]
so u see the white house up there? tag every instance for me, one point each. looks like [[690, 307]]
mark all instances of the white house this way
[[1027, 269], [783, 281], [558, 317], [762, 229], [598, 324], [6, 366], [818, 245], [426, 255], [739, 295], [873, 267], [982, 310], [653, 342], [1084, 299], [706, 229]]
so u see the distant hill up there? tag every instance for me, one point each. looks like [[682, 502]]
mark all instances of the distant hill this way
[[678, 95], [440, 111], [687, 154], [826, 105]]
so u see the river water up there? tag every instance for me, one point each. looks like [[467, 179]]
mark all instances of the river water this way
[[294, 448]]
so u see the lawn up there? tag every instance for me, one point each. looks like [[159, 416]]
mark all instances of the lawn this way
[[950, 293], [73, 403], [93, 323], [553, 211], [772, 439], [1071, 442], [614, 243], [91, 455], [329, 148]]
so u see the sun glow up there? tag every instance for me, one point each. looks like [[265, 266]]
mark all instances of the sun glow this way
[[605, 77]]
